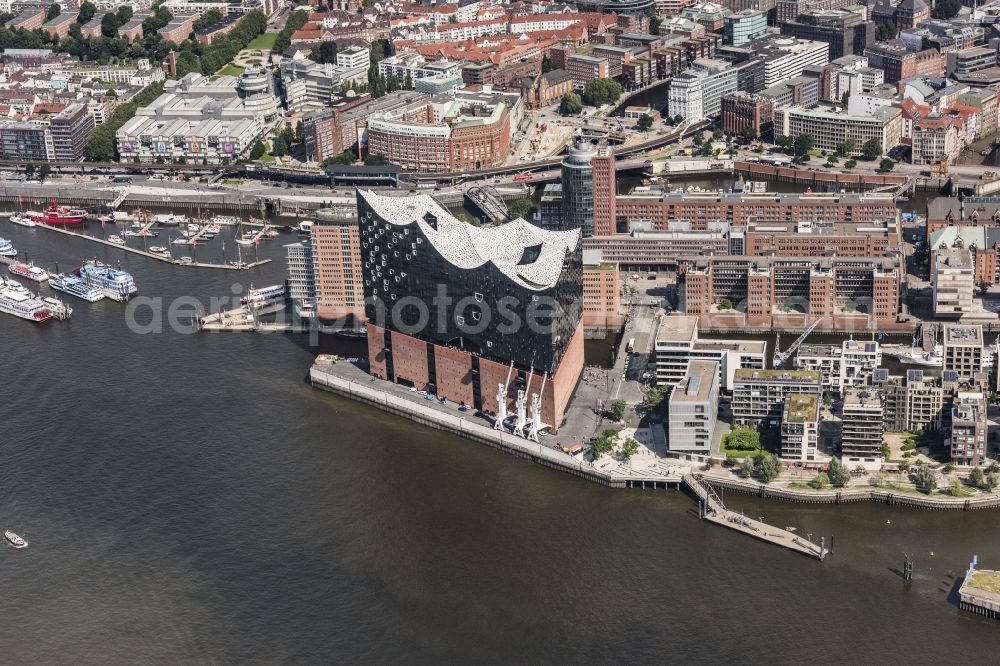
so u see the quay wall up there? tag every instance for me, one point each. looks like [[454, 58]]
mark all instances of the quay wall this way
[[497, 439], [854, 495]]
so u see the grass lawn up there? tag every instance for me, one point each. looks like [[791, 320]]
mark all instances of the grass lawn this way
[[230, 70], [987, 581], [264, 42], [267, 158]]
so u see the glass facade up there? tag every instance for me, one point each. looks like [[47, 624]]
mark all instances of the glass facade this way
[[578, 189], [411, 287]]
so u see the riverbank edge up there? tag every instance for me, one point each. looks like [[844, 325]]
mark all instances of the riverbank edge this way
[[851, 495], [526, 450]]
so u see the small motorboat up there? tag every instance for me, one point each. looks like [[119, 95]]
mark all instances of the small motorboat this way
[[22, 220], [185, 260], [116, 239], [15, 540], [158, 249]]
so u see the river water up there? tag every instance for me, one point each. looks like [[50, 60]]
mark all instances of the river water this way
[[190, 499]]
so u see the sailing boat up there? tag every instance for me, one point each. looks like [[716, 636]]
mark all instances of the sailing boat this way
[[242, 238]]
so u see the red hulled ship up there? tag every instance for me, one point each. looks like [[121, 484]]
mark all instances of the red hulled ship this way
[[58, 215]]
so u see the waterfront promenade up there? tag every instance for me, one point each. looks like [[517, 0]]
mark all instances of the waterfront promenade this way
[[645, 469]]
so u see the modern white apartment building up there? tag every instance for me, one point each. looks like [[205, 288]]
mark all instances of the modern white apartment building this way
[[800, 427], [693, 409], [963, 350], [842, 366], [862, 428], [954, 282], [676, 346]]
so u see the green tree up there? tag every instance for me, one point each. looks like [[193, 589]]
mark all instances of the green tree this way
[[654, 25], [743, 439], [717, 135], [87, 11], [993, 468], [519, 208], [279, 147], [618, 408], [946, 9], [977, 478], [992, 480], [346, 157], [725, 304], [44, 172], [886, 165], [948, 468], [629, 448], [324, 52], [925, 479], [837, 473], [257, 151], [653, 398], [845, 148], [296, 20], [886, 451], [53, 11], [375, 159], [29, 170], [603, 443], [850, 164], [645, 122], [885, 30], [768, 467], [570, 104], [547, 65], [820, 481], [871, 149], [803, 144], [209, 18], [599, 92], [749, 133], [747, 467]]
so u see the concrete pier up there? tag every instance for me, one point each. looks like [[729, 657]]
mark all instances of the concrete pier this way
[[714, 511], [980, 591]]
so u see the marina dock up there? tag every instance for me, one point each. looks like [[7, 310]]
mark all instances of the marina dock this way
[[150, 255], [980, 591]]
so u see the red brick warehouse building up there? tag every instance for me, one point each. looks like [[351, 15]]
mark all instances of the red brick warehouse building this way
[[450, 306]]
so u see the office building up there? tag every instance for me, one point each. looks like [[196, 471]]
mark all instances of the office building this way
[[954, 282], [301, 279], [588, 189], [759, 395], [744, 26], [843, 293], [862, 431], [697, 93], [830, 128], [847, 32], [817, 239], [692, 409], [742, 110], [963, 350], [968, 439], [665, 210], [460, 310], [841, 367], [800, 427], [641, 250], [470, 131], [787, 57], [602, 306], [310, 85], [899, 62], [338, 280]]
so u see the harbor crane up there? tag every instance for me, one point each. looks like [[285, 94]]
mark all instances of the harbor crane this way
[[781, 357]]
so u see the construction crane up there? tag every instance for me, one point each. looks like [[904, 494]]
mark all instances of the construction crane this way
[[781, 357]]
